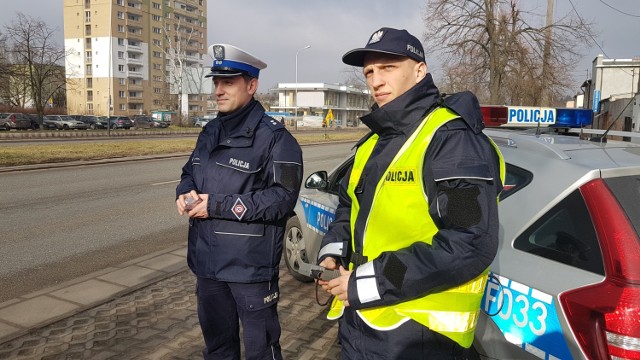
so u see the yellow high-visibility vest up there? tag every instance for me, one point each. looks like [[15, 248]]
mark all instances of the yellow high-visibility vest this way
[[399, 217]]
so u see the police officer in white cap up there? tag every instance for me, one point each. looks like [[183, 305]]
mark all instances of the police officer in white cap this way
[[238, 188]]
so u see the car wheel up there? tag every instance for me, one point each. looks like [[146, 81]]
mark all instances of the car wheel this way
[[114, 126], [293, 245], [92, 126], [65, 127]]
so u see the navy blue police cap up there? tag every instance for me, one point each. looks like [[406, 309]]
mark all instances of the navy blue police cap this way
[[229, 60], [387, 41]]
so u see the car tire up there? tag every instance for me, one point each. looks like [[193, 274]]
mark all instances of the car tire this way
[[294, 244], [65, 127], [92, 126]]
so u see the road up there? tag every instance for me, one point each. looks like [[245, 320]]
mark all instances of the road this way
[[59, 224]]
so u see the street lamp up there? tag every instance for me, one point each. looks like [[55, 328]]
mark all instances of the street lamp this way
[[295, 113]]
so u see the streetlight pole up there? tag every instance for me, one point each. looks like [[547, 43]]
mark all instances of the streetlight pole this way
[[295, 113]]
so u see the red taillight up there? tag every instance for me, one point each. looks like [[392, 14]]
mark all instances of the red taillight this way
[[494, 115], [605, 317]]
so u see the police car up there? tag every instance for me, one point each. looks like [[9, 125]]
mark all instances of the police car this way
[[566, 281]]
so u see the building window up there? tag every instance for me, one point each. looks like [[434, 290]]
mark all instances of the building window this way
[[120, 42], [88, 69], [120, 2], [157, 30], [87, 16], [156, 5], [157, 90], [120, 28], [120, 15], [157, 54], [122, 107], [121, 68], [122, 81], [156, 18], [89, 83], [90, 107], [121, 94], [88, 54], [120, 54], [89, 95], [157, 42]]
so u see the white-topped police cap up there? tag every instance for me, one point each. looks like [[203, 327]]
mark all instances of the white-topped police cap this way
[[229, 60]]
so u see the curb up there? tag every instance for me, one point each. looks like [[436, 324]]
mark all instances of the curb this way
[[35, 310], [88, 162]]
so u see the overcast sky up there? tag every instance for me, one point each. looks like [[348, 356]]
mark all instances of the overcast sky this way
[[275, 30]]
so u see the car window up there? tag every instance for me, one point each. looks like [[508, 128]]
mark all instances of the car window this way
[[565, 234], [515, 179], [338, 175], [627, 190]]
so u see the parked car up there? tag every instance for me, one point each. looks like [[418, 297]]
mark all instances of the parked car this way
[[120, 122], [35, 121], [201, 122], [92, 121], [65, 122], [146, 122], [17, 121], [566, 281]]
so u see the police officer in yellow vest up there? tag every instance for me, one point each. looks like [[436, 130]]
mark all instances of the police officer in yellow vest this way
[[417, 224]]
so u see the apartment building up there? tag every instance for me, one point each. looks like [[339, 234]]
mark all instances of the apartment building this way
[[128, 57]]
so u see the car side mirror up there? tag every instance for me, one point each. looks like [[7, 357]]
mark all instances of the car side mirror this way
[[317, 180]]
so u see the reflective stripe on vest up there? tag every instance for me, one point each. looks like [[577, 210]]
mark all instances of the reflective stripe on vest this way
[[400, 199]]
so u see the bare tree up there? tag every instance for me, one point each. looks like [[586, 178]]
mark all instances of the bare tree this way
[[37, 60], [353, 76], [5, 70], [186, 71], [497, 42]]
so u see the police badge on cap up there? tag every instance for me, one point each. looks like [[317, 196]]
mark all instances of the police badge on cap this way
[[229, 60]]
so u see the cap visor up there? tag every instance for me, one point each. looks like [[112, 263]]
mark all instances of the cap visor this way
[[355, 57], [223, 74]]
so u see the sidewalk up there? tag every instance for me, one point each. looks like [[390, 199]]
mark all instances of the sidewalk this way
[[145, 309]]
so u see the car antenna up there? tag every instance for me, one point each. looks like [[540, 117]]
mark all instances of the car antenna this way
[[603, 138]]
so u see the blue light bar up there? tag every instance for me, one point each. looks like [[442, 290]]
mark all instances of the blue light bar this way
[[573, 118]]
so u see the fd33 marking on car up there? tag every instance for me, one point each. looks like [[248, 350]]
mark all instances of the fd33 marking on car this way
[[527, 317], [318, 216]]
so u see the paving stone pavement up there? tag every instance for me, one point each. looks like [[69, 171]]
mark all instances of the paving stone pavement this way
[[160, 322]]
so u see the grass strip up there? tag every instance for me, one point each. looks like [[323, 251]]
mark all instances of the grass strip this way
[[69, 151]]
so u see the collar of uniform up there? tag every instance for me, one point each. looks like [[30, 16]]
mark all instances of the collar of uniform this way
[[239, 127], [401, 115]]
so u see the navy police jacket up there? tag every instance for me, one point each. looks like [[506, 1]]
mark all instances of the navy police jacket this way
[[251, 167], [461, 174]]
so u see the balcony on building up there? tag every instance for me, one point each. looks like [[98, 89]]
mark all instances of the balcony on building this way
[[134, 74], [134, 61], [134, 7], [134, 48]]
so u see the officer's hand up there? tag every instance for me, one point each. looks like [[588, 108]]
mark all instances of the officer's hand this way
[[330, 264], [340, 286], [200, 209], [181, 201]]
